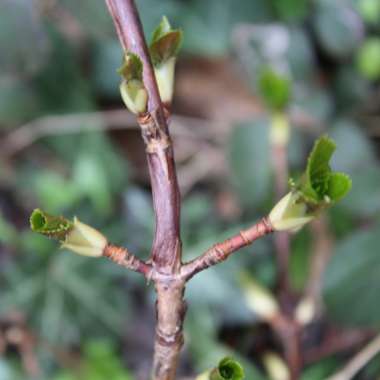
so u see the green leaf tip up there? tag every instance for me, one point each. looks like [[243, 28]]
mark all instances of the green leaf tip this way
[[131, 68], [320, 184], [275, 89], [52, 226], [165, 42], [75, 236], [228, 369]]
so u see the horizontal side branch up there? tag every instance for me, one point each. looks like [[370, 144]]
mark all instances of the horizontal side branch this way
[[124, 258], [221, 251]]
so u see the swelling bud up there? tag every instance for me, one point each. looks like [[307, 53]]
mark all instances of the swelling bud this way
[[132, 88], [165, 79], [85, 240], [289, 214], [134, 95]]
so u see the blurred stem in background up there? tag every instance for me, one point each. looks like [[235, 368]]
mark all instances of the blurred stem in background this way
[[279, 136]]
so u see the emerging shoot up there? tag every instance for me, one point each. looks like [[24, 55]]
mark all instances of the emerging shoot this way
[[164, 48], [132, 88], [318, 189], [74, 235]]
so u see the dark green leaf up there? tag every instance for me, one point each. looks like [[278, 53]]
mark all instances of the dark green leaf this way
[[291, 10], [250, 161], [351, 282]]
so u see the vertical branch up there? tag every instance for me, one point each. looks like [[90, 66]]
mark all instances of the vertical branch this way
[[166, 249], [279, 146], [287, 330]]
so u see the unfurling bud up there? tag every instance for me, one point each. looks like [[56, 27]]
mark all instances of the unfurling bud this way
[[85, 240], [276, 367], [134, 96], [163, 51], [318, 189], [259, 299], [132, 87], [75, 236], [227, 369], [289, 214]]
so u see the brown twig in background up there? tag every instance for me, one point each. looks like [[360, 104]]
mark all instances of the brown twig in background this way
[[337, 342], [29, 133], [281, 239], [322, 246], [358, 361]]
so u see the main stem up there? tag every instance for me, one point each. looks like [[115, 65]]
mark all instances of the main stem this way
[[166, 250]]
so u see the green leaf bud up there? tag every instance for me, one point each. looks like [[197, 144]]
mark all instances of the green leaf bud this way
[[132, 87], [74, 235]]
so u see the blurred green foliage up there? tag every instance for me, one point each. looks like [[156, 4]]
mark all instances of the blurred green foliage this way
[[329, 53], [99, 361]]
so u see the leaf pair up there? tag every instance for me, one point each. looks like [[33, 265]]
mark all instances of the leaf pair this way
[[163, 51], [318, 188]]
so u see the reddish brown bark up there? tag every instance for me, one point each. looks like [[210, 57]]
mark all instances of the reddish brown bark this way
[[123, 257], [221, 251]]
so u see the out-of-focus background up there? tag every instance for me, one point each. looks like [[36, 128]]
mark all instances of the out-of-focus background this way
[[68, 145]]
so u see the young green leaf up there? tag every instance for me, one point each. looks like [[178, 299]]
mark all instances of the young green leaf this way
[[75, 236], [320, 183], [228, 369], [165, 42], [56, 227], [131, 68], [274, 89], [318, 188]]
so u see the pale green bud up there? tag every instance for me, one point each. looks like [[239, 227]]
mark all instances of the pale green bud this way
[[165, 79], [85, 240], [134, 95], [289, 214]]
